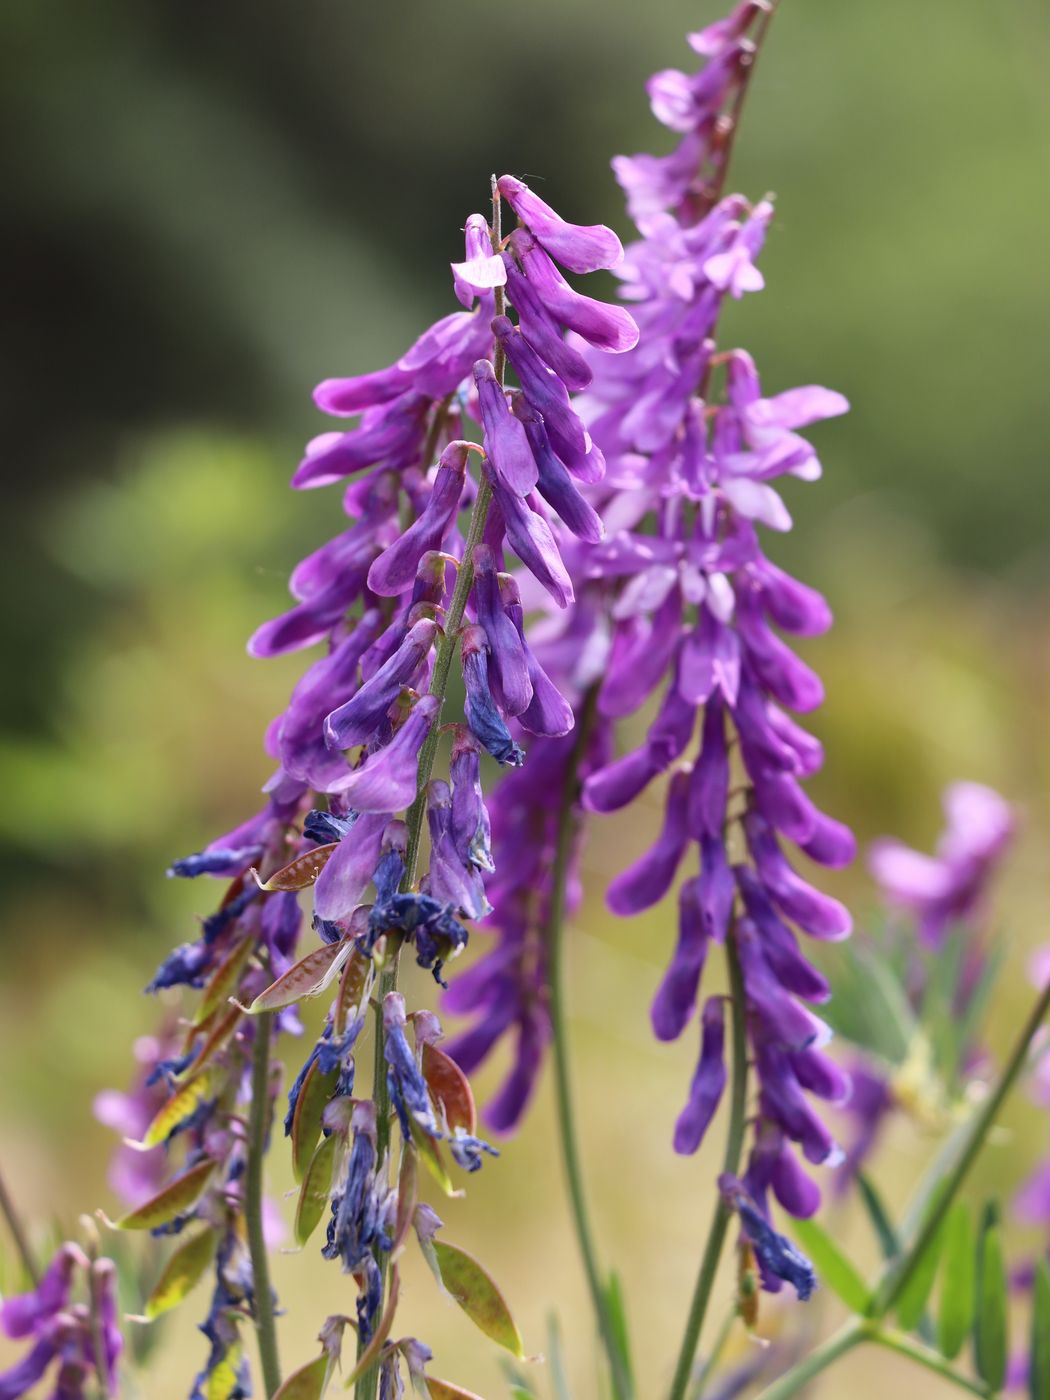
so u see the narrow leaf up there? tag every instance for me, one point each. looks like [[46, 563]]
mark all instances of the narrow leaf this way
[[317, 1183], [450, 1087], [175, 1199], [307, 1383], [880, 1220], [444, 1390], [912, 1301], [958, 1281], [180, 1106], [317, 1089], [218, 1033], [832, 1266], [300, 873], [182, 1273], [990, 1328], [556, 1360], [1039, 1358], [308, 978], [478, 1296], [618, 1316], [225, 979]]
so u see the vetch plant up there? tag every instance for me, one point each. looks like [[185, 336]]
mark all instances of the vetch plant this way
[[569, 503]]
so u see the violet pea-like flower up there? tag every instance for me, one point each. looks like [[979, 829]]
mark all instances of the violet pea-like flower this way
[[579, 247], [482, 270], [606, 327], [485, 721], [357, 721], [395, 569], [708, 1084], [506, 445], [386, 781]]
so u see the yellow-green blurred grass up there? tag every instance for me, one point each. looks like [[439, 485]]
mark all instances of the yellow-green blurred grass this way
[[931, 675]]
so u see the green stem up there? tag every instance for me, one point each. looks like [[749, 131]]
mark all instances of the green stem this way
[[368, 1385], [730, 1164], [710, 1362], [819, 1359], [621, 1379], [926, 1356], [258, 1129], [18, 1233], [897, 1275]]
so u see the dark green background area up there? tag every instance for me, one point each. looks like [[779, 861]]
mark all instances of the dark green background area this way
[[211, 206]]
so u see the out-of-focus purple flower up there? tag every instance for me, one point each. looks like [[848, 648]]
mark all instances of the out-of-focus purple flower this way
[[708, 1082], [950, 886]]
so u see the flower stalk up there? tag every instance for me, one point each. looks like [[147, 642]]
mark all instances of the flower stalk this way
[[621, 1380], [18, 1232], [258, 1131]]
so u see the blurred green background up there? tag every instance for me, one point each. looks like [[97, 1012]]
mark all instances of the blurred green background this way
[[212, 206]]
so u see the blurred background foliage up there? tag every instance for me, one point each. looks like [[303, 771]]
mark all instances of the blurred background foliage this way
[[212, 206]]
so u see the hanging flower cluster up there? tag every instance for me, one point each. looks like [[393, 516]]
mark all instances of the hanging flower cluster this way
[[679, 600], [433, 562]]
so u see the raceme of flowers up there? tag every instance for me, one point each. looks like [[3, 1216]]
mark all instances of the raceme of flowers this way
[[680, 602], [419, 573]]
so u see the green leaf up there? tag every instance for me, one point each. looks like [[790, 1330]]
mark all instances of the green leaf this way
[[317, 1183], [175, 1199], [178, 1108], [913, 1296], [618, 1317], [308, 978], [990, 1326], [317, 1089], [1039, 1357], [478, 1296], [182, 1273], [869, 1006], [880, 1220], [308, 1383], [556, 1360], [958, 1281], [832, 1266]]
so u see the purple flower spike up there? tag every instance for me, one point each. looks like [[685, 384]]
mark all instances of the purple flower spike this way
[[676, 996], [580, 248], [649, 879], [605, 327], [357, 721], [386, 781], [506, 445], [395, 569], [483, 269], [708, 1084]]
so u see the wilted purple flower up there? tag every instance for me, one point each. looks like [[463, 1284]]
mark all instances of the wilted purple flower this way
[[950, 886], [778, 1259]]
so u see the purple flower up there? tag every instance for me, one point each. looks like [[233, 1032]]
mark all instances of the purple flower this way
[[356, 721], [509, 454], [484, 719], [577, 247], [709, 1081], [395, 569], [949, 887], [386, 780], [27, 1314]]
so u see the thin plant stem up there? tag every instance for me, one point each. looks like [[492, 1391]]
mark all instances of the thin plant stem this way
[[258, 1129], [896, 1276], [448, 639], [818, 1360], [711, 1361], [555, 931], [18, 1232], [730, 1164], [926, 1356]]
